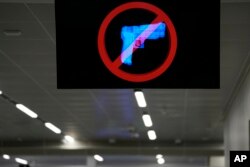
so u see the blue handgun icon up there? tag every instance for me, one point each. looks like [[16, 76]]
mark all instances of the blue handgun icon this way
[[134, 36]]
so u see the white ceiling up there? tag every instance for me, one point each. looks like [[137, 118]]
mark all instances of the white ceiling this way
[[28, 76]]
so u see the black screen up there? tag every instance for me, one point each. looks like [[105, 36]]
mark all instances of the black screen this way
[[196, 62]]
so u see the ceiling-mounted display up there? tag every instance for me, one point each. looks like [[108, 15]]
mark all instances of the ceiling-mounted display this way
[[137, 44]]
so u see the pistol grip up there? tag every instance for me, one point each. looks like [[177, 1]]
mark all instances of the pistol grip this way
[[127, 48]]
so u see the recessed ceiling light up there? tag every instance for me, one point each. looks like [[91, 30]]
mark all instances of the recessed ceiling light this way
[[69, 139], [152, 135], [98, 158], [112, 140], [140, 99], [160, 161], [53, 127], [26, 110], [21, 161], [5, 156], [147, 120], [158, 156], [12, 32], [177, 141], [135, 135]]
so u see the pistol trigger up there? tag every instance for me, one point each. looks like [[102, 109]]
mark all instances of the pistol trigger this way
[[138, 44]]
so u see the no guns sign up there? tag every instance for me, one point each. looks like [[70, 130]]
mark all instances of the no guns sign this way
[[160, 17], [137, 44]]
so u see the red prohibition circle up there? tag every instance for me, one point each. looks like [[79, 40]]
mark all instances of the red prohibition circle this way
[[114, 66]]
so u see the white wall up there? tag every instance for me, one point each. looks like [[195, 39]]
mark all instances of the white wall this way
[[217, 161], [236, 130]]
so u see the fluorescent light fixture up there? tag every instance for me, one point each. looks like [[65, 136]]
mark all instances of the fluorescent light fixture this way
[[147, 120], [21, 161], [12, 32], [152, 135], [1, 92], [26, 110], [5, 156], [158, 156], [69, 139], [53, 128], [160, 161], [98, 158], [140, 99]]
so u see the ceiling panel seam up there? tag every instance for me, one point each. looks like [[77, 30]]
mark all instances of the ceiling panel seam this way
[[42, 88], [29, 1], [242, 75], [40, 23], [99, 105]]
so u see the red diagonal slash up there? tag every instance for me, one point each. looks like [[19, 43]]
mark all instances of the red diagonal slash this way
[[117, 63], [114, 66]]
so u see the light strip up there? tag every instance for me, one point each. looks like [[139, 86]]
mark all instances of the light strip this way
[[140, 99], [21, 161], [69, 139], [53, 127], [98, 158], [26, 110], [152, 135], [5, 156], [158, 156], [1, 92], [147, 120], [161, 161]]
